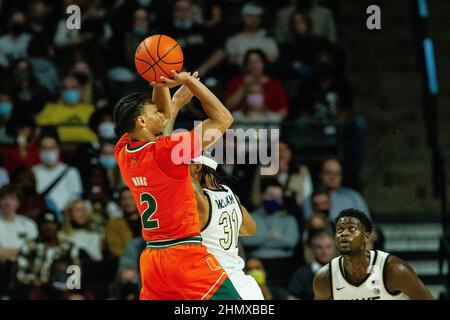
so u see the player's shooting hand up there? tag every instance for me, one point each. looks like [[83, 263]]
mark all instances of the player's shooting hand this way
[[177, 80], [183, 95]]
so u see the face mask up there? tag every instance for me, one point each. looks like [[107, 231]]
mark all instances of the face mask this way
[[144, 3], [184, 24], [107, 162], [258, 275], [271, 206], [140, 31], [255, 101], [5, 109], [71, 96], [106, 130], [49, 157]]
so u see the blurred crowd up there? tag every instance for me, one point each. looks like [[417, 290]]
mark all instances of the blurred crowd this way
[[274, 64]]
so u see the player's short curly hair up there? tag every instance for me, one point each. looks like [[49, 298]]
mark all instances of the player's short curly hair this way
[[358, 214], [127, 110]]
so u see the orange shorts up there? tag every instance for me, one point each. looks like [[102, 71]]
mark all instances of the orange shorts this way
[[183, 271]]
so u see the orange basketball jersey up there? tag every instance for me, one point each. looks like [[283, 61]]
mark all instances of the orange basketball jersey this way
[[161, 188]]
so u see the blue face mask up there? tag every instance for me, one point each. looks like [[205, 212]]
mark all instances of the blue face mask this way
[[107, 162], [271, 206], [71, 96], [140, 32], [5, 108]]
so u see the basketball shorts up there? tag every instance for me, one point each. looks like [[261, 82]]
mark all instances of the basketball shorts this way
[[183, 270]]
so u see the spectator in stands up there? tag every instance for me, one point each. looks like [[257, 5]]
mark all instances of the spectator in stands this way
[[294, 178], [326, 98], [77, 228], [35, 259], [108, 163], [120, 230], [6, 110], [88, 91], [316, 223], [300, 285], [320, 201], [44, 70], [300, 50], [255, 268], [238, 94], [24, 182], [142, 28], [55, 180], [128, 279], [321, 17], [276, 237], [25, 151], [29, 95], [341, 197], [69, 114], [253, 36], [15, 229], [200, 45], [14, 43]]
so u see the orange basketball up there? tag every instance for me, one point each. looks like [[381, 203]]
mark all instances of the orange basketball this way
[[156, 56]]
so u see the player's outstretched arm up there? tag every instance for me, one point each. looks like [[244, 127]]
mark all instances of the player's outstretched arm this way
[[161, 96], [248, 226], [171, 107], [321, 284], [399, 276], [219, 118]]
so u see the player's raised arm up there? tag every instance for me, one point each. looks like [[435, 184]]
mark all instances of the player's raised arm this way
[[321, 284], [171, 107], [219, 117], [401, 277]]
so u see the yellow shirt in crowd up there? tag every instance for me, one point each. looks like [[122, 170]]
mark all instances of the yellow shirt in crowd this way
[[71, 120]]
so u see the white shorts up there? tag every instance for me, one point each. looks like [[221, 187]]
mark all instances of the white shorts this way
[[246, 286]]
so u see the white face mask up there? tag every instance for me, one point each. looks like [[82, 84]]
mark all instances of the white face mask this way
[[106, 130], [49, 157]]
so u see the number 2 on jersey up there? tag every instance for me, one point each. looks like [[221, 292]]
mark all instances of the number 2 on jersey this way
[[148, 223], [230, 229]]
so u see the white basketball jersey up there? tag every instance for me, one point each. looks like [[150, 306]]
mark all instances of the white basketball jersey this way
[[220, 234], [372, 288]]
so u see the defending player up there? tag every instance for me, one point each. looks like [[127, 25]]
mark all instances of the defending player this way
[[222, 219], [175, 264], [360, 274]]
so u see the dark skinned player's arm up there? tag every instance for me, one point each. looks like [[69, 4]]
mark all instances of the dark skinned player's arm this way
[[218, 115], [202, 203], [321, 284], [219, 118], [171, 107], [248, 226], [399, 276], [161, 96]]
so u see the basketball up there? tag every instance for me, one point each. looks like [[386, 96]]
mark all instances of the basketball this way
[[156, 56]]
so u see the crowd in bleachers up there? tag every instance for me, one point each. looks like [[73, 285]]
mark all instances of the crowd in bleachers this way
[[274, 64]]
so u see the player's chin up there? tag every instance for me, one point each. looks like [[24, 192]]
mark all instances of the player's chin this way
[[343, 250]]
